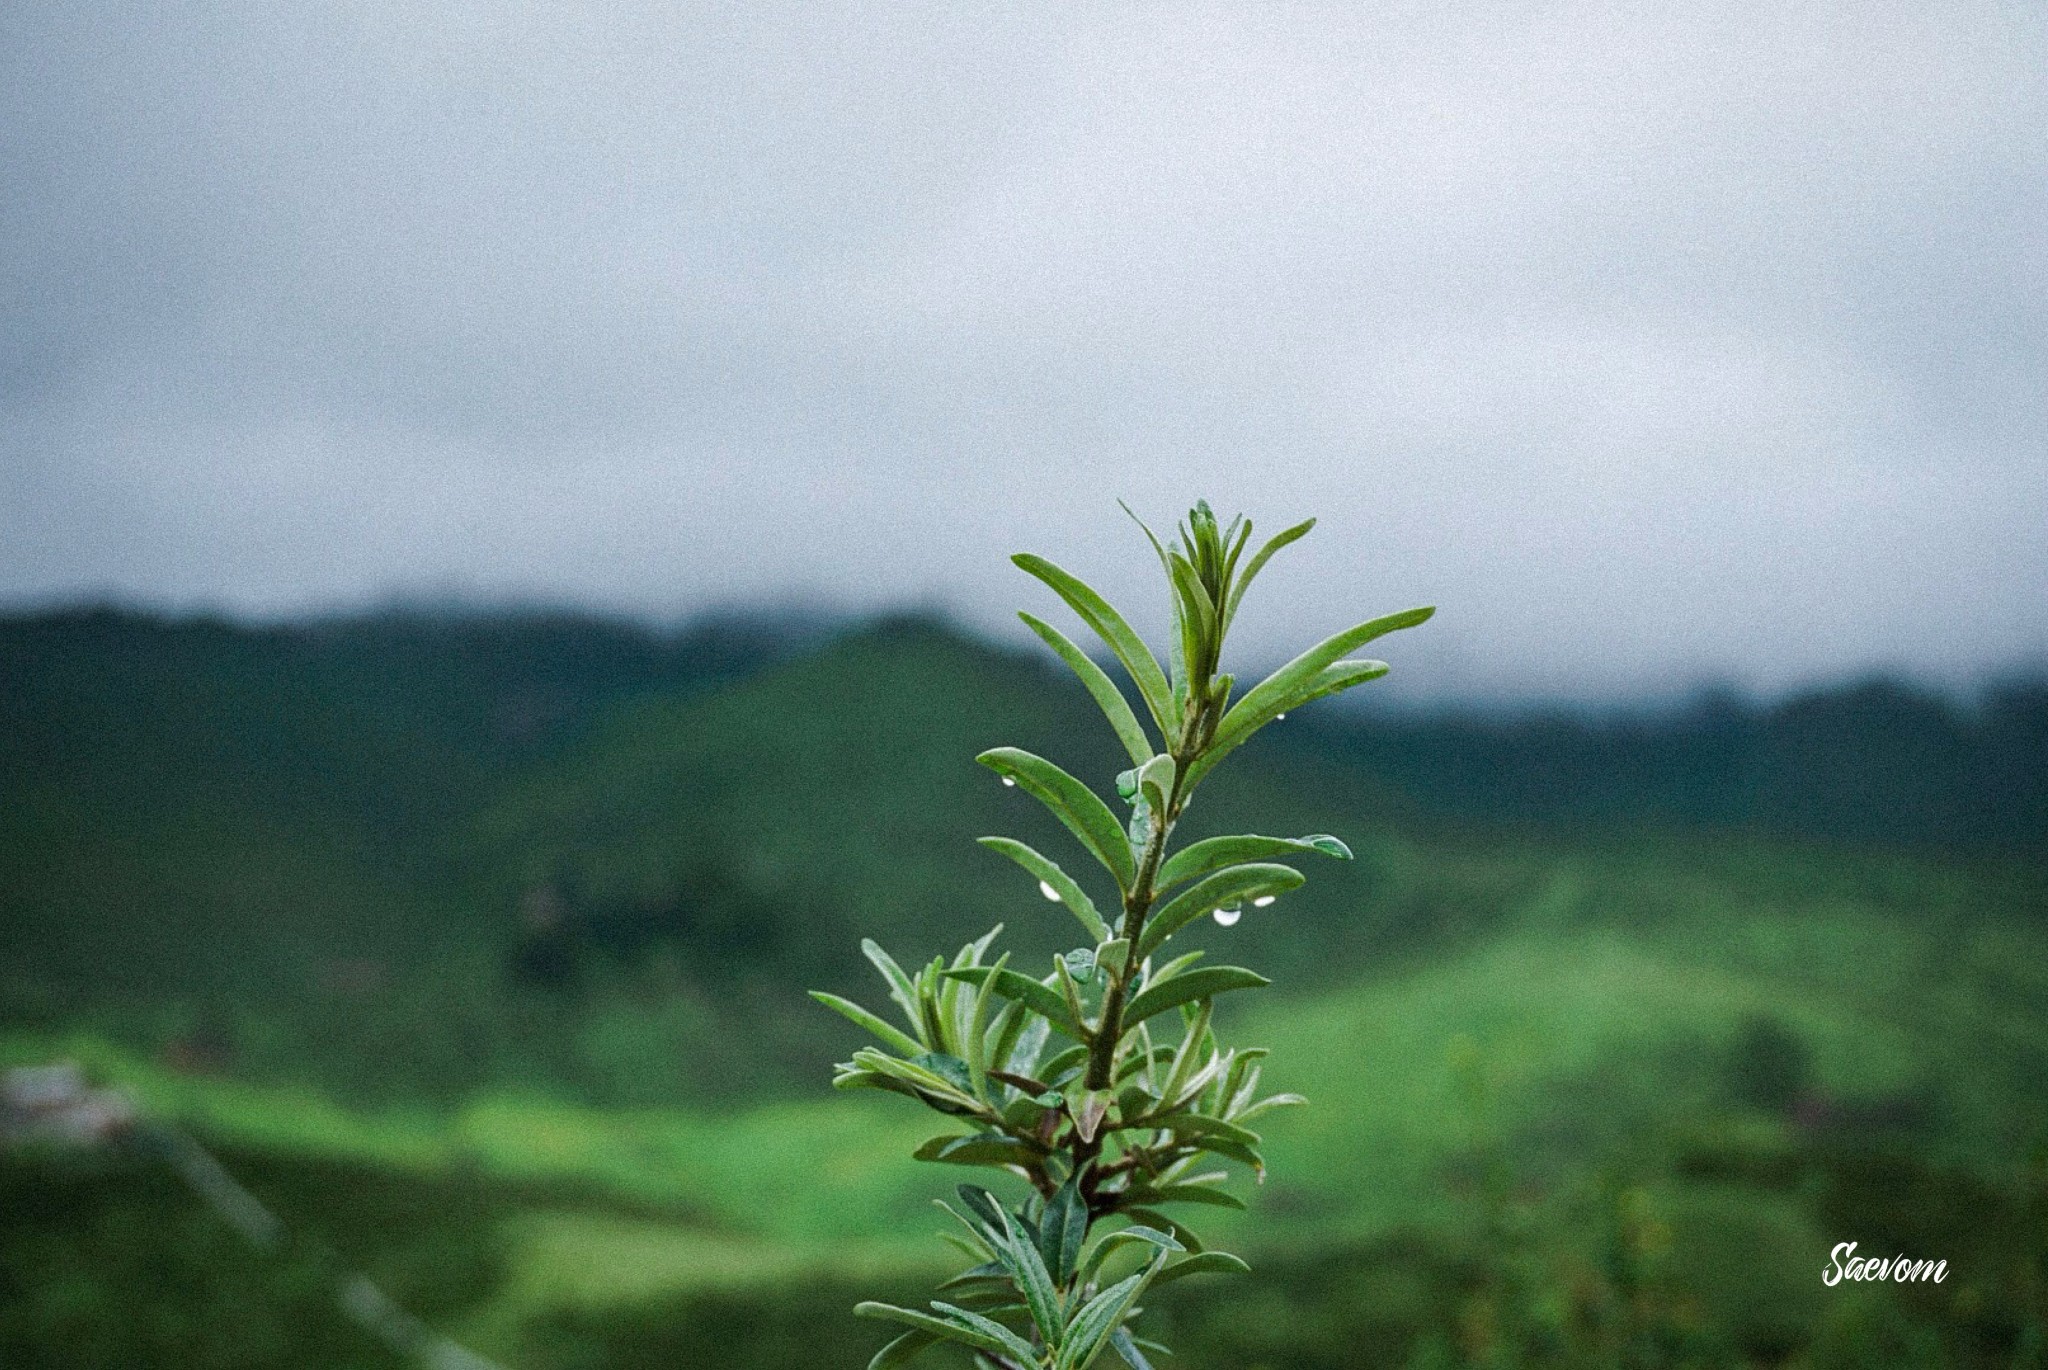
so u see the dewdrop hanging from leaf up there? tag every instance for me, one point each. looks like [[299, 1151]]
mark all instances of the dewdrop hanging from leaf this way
[[1097, 1089]]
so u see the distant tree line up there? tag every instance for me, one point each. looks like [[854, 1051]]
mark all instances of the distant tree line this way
[[397, 705], [1876, 762]]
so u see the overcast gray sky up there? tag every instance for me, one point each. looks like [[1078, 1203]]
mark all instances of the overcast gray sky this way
[[1655, 343]]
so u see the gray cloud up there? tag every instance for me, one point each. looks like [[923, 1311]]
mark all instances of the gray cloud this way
[[1654, 343]]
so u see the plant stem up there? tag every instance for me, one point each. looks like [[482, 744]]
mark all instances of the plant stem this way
[[1137, 907]]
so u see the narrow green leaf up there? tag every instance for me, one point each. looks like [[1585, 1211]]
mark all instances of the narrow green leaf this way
[[989, 1327], [1178, 673], [971, 954], [1194, 616], [1135, 1233], [943, 1091], [1108, 1244], [1192, 1089], [900, 988], [874, 1079], [987, 1270], [1204, 1126], [988, 1210], [977, 1245], [1214, 853], [1235, 1151], [998, 1040], [1328, 681], [1182, 989], [1020, 1035], [1291, 683], [1161, 1222], [1142, 1060], [860, 1017], [1235, 1102], [1073, 803], [1186, 1194], [1241, 1060], [1128, 1349], [1070, 993], [868, 1058], [1179, 656], [1061, 883], [1034, 1281], [1158, 547], [1062, 1230], [1203, 1263], [1232, 885], [981, 1148], [1338, 677], [1027, 1112], [1095, 1320], [1269, 1103], [1041, 998], [901, 1350], [1206, 542], [977, 1028], [1174, 967], [1242, 527], [1258, 564], [1189, 582], [1089, 1329], [1109, 625], [1183, 1067], [1100, 687], [934, 1004], [1067, 1063], [933, 1326]]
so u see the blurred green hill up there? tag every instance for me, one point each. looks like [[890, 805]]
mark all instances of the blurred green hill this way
[[1764, 1053], [412, 855]]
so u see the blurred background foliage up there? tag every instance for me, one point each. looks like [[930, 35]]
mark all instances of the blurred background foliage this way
[[475, 945]]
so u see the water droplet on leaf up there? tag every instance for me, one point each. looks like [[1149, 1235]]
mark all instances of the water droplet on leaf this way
[[1227, 917], [1264, 900], [1010, 780], [1048, 891], [1278, 717]]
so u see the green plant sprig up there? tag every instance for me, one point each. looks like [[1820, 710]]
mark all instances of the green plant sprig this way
[[1059, 1076]]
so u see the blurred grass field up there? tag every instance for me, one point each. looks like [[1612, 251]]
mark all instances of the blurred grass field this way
[[1605, 1029]]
